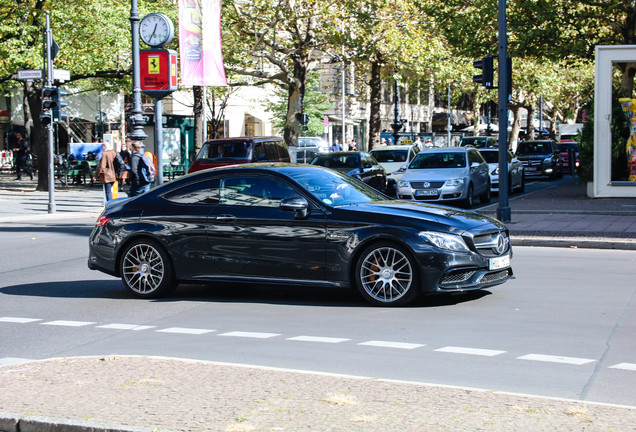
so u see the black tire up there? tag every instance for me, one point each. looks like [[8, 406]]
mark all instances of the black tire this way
[[485, 197], [469, 200], [146, 269], [387, 275]]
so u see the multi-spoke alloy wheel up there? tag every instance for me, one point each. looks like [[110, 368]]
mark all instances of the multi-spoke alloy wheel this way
[[146, 269], [386, 275]]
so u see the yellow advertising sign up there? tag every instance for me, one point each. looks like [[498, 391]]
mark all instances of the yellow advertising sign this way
[[153, 64]]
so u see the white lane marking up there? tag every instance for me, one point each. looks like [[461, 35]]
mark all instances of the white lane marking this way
[[133, 327], [471, 351], [625, 366], [387, 344], [250, 334], [317, 339], [68, 323], [18, 320], [182, 330], [556, 359]]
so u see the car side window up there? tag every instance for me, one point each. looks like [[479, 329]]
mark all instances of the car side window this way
[[271, 151], [203, 193], [259, 152], [474, 156], [255, 191]]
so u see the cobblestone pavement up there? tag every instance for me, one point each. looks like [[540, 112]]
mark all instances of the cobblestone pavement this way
[[143, 393]]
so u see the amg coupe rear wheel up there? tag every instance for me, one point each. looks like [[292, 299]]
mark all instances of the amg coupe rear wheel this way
[[146, 269], [386, 275]]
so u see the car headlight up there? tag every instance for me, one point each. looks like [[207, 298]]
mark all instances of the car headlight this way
[[495, 171], [403, 183], [445, 241], [547, 161], [454, 182]]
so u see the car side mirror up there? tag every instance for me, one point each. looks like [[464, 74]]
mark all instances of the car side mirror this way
[[366, 165], [475, 165], [296, 204]]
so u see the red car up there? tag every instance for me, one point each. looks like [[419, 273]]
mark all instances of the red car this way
[[565, 147], [231, 151]]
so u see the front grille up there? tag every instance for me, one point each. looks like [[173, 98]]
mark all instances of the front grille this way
[[492, 244], [427, 185], [495, 277]]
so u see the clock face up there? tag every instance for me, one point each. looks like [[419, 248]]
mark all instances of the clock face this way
[[156, 30]]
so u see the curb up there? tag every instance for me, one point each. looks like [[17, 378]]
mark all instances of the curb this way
[[10, 422], [572, 242]]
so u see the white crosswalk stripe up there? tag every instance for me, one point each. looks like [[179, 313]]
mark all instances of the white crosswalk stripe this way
[[181, 330], [470, 351], [556, 359], [64, 323], [388, 344], [18, 320], [256, 335], [317, 339]]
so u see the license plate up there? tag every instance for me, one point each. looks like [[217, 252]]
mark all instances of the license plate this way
[[531, 168], [499, 262], [431, 192]]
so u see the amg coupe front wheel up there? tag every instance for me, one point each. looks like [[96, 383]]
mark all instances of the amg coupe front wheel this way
[[146, 269], [386, 275]]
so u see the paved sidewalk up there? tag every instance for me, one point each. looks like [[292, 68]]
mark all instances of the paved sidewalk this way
[[122, 393]]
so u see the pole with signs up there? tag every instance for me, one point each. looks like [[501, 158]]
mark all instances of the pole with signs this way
[[158, 72], [49, 127], [503, 209]]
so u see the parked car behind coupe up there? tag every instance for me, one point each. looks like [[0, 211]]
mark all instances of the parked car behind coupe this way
[[360, 165], [516, 179], [456, 174]]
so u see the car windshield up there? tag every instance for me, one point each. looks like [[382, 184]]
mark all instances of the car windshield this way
[[334, 188], [475, 142], [530, 148], [337, 160], [226, 150], [565, 147], [390, 155], [427, 160]]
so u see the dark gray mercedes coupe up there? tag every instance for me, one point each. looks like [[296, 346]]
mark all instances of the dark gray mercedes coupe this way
[[301, 225]]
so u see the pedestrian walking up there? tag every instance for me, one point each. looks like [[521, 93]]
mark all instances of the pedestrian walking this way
[[336, 146], [127, 158], [353, 146], [142, 171], [106, 172], [22, 152]]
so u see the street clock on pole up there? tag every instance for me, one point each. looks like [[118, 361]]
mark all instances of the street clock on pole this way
[[156, 30]]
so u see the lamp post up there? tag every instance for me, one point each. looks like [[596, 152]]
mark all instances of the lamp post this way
[[137, 118], [397, 124], [503, 210]]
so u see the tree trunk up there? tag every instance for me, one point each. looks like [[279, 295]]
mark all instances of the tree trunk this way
[[38, 136], [199, 119], [296, 95], [513, 137], [530, 126], [375, 120]]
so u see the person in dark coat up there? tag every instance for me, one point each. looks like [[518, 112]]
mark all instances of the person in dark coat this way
[[22, 151]]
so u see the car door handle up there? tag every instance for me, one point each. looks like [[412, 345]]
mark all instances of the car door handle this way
[[225, 218]]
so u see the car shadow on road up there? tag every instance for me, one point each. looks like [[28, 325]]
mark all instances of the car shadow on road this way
[[228, 293]]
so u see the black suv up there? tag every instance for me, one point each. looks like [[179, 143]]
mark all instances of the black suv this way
[[478, 142], [540, 159]]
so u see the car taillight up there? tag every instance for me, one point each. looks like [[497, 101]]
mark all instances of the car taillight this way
[[103, 220]]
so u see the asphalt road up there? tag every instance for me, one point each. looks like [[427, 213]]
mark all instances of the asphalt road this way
[[564, 327]]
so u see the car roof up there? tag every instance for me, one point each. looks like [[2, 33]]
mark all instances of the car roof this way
[[392, 147], [246, 138], [447, 150]]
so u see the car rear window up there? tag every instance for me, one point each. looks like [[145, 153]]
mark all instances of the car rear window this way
[[225, 151], [564, 147], [337, 161], [390, 155]]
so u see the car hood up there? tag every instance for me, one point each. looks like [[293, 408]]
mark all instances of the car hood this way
[[434, 174], [533, 156], [391, 167], [456, 219]]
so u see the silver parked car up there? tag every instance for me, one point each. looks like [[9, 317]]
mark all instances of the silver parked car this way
[[394, 159], [516, 178], [445, 174]]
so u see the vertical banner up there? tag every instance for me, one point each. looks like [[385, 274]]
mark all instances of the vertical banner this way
[[200, 43]]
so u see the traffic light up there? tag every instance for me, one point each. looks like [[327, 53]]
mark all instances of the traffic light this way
[[46, 118], [486, 78], [59, 105]]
